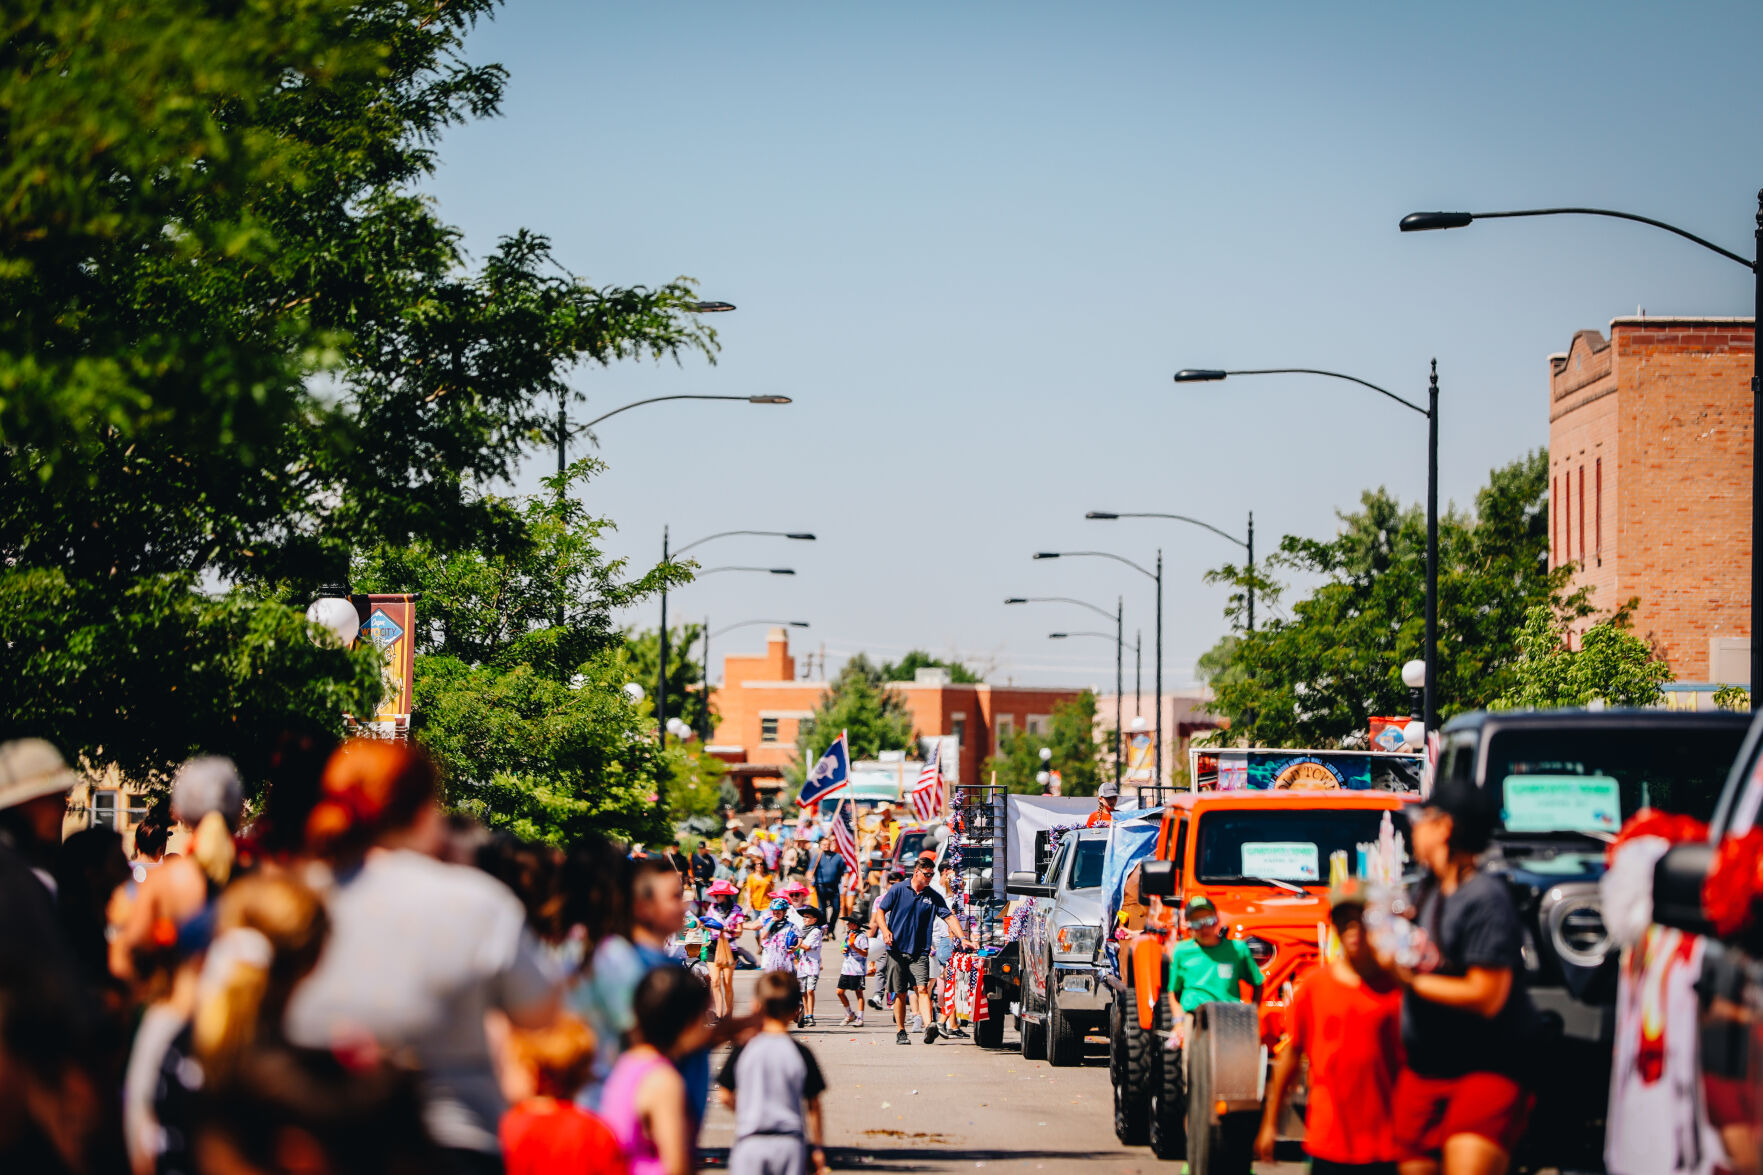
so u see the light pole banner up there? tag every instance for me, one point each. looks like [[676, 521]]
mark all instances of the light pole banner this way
[[388, 620]]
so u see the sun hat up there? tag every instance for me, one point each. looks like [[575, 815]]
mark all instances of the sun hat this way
[[796, 887], [31, 768], [723, 887]]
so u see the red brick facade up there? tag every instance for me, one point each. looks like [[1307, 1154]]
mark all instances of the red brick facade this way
[[760, 703], [1650, 482]]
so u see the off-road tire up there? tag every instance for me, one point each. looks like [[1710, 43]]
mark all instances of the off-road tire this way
[[1168, 1094], [1033, 1040], [1065, 1040], [1116, 1042], [1225, 1147], [1137, 1053], [989, 1033]]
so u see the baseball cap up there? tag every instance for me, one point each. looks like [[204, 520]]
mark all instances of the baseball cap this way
[[1199, 907], [1109, 790]]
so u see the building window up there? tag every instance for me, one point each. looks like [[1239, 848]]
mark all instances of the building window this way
[[1582, 515], [1005, 726], [1036, 724], [768, 730], [1555, 520], [1567, 520], [103, 809], [958, 728], [1598, 510]]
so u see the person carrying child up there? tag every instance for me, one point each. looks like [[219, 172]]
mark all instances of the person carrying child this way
[[548, 1132], [644, 1101], [1207, 968], [773, 1084], [853, 970], [808, 962], [1346, 1020]]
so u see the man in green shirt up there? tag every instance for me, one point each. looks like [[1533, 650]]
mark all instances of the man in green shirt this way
[[1207, 968]]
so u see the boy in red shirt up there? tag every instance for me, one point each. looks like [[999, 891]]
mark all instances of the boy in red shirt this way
[[1347, 1019], [548, 1132]]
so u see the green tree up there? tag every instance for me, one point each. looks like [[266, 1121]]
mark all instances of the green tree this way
[[859, 703], [685, 675], [1611, 665], [238, 338], [1317, 674], [907, 667], [1080, 756], [529, 717], [1732, 697]]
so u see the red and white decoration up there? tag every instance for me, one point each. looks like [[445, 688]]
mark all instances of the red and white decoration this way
[[927, 793]]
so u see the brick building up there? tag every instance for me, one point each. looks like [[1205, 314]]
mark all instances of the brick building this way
[[760, 703], [1650, 482]]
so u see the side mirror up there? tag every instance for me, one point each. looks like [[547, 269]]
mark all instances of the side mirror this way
[[1157, 879], [1026, 885], [1678, 878]]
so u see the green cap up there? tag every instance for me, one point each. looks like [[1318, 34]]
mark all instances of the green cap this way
[[1198, 907]]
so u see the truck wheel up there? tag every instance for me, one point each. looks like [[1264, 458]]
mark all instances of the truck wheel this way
[[1168, 1112], [989, 1033], [1116, 1043], [1133, 1051], [1065, 1041], [1225, 1147]]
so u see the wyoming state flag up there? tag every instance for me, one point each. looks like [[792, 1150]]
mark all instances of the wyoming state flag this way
[[828, 775]]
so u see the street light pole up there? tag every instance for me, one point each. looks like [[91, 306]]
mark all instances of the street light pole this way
[[1425, 221], [661, 670], [1157, 578], [1431, 412], [1109, 515], [1119, 653]]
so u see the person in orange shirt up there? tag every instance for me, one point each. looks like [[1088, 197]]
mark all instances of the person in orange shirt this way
[[1346, 1018], [1106, 797]]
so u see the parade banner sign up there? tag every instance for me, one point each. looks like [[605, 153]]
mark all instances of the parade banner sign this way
[[1303, 770], [388, 621]]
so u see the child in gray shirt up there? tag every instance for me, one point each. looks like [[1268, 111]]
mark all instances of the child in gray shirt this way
[[773, 1084]]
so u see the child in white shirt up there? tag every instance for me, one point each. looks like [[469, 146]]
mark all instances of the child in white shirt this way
[[852, 969], [808, 962]]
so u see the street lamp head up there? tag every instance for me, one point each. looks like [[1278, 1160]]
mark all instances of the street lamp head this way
[[768, 400], [798, 624], [1101, 514], [783, 570], [1199, 375], [1414, 674], [634, 692], [1046, 554], [1016, 600], [806, 538], [1057, 636], [710, 307], [334, 614], [1046, 753], [1419, 222]]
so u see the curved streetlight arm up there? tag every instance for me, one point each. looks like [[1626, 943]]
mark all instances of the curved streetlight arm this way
[[1223, 534], [1311, 371], [765, 570], [723, 534], [1059, 636], [659, 399], [1102, 612], [1097, 555], [1423, 221], [751, 623]]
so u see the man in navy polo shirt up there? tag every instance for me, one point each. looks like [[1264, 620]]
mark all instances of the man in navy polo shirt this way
[[911, 908]]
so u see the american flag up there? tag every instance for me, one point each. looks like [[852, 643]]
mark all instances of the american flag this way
[[845, 836], [927, 793]]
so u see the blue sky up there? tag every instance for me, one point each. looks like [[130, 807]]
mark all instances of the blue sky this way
[[975, 240]]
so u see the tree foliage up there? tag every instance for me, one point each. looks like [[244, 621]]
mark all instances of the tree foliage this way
[[860, 703], [1318, 674], [238, 340], [1611, 665], [685, 674], [1079, 755], [907, 667]]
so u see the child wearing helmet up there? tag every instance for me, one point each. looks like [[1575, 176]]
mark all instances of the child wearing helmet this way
[[778, 936]]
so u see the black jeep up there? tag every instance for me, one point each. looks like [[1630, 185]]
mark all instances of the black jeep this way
[[1563, 782]]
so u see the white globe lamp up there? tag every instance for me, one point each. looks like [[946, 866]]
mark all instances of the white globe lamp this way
[[1414, 674], [634, 692], [335, 615]]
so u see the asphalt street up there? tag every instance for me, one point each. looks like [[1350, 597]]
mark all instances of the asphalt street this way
[[952, 1106]]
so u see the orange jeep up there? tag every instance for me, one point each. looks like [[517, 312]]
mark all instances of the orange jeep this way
[[1262, 857]]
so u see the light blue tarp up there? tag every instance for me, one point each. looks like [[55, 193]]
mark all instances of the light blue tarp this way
[[1132, 836]]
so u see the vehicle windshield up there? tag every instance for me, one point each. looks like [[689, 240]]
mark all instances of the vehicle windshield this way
[[1592, 779], [1293, 845], [1086, 871]]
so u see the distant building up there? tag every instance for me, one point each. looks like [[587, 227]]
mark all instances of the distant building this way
[[1650, 483], [1184, 716], [760, 704]]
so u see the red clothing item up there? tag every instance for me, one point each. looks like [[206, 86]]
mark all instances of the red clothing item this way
[[1353, 1037], [1098, 818], [1429, 1111], [543, 1136]]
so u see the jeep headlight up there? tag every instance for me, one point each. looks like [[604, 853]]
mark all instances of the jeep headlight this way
[[1077, 940]]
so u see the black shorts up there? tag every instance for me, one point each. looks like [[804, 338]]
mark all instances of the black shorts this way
[[851, 982], [907, 972], [1329, 1167]]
